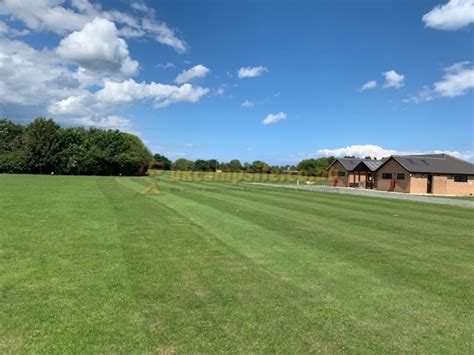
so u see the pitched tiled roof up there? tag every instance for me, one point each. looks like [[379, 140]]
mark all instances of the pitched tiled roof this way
[[351, 163], [421, 163], [373, 165], [434, 163]]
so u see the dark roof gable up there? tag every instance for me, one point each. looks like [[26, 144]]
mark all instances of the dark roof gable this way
[[352, 163], [373, 165]]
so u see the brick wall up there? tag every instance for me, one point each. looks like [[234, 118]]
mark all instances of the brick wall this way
[[392, 167], [333, 174], [458, 188], [418, 184]]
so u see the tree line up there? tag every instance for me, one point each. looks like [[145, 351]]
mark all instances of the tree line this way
[[44, 147], [309, 167]]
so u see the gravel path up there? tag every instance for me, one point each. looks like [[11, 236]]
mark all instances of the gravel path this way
[[376, 193]]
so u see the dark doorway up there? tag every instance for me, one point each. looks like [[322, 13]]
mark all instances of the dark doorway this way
[[430, 184]]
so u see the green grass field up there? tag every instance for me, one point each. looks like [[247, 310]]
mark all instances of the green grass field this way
[[90, 265]]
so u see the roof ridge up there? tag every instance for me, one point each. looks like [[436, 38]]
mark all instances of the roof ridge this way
[[445, 155], [423, 156]]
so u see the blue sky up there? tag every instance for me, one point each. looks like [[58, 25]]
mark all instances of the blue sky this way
[[316, 77]]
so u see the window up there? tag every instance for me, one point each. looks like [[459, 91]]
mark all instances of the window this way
[[400, 176], [387, 176], [460, 178], [341, 173]]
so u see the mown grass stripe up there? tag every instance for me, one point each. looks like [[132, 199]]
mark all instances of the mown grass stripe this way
[[63, 279], [373, 204], [235, 227], [217, 267], [304, 226], [292, 303], [220, 208], [447, 235], [441, 232]]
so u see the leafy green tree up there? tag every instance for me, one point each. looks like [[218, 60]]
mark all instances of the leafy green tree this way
[[10, 136], [13, 158], [234, 165], [161, 162], [71, 157], [307, 167], [314, 167], [206, 165], [201, 165], [183, 164], [41, 140], [213, 164], [259, 166], [122, 153], [134, 155], [110, 153], [43, 147]]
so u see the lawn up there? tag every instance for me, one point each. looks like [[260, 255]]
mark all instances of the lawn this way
[[88, 264]]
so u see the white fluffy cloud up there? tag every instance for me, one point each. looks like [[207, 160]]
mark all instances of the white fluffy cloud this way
[[457, 80], [30, 78], [393, 79], [274, 118], [247, 104], [53, 15], [98, 48], [114, 95], [45, 15], [164, 34], [360, 151], [453, 15], [163, 95], [376, 151], [43, 82], [198, 71], [40, 83], [250, 72], [368, 85]]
